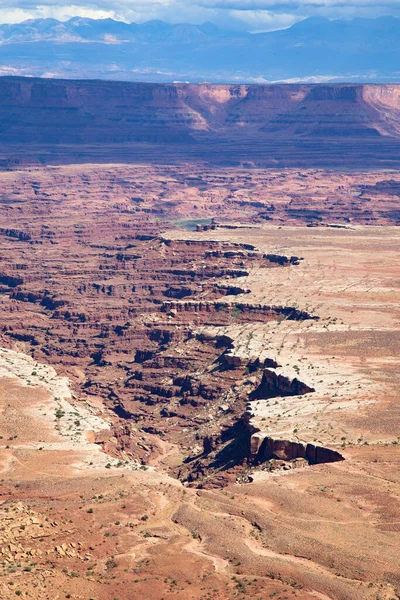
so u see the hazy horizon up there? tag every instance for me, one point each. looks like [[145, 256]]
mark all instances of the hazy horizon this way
[[313, 50], [247, 15]]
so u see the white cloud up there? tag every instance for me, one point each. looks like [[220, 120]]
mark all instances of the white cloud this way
[[17, 15], [284, 5], [242, 14], [264, 20]]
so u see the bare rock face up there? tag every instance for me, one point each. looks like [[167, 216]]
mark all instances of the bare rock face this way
[[225, 124], [273, 384], [263, 448]]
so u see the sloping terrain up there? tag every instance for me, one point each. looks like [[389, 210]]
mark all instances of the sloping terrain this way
[[59, 121], [229, 425]]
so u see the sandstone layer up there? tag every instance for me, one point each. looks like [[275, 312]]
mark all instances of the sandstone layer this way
[[59, 121]]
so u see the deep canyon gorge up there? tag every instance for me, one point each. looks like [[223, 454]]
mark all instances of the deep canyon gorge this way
[[199, 341]]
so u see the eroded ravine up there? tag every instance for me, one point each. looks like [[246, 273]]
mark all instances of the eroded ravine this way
[[143, 354], [186, 344]]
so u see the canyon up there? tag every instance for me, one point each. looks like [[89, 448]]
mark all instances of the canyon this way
[[199, 342], [199, 382]]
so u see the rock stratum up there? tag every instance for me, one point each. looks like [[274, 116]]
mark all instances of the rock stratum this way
[[61, 121]]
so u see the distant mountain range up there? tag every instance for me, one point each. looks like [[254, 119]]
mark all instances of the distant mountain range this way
[[313, 50]]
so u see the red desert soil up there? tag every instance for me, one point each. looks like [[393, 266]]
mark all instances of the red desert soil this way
[[203, 412]]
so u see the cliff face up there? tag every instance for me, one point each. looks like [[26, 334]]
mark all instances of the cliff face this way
[[201, 117]]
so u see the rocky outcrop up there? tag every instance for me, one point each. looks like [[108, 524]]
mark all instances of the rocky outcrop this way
[[273, 385], [15, 233], [240, 310], [11, 281], [283, 260], [263, 447]]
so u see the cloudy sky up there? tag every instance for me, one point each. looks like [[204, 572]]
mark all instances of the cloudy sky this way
[[252, 15]]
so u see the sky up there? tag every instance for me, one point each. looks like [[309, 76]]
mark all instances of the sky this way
[[250, 15]]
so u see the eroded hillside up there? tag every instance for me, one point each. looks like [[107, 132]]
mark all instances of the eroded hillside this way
[[336, 126]]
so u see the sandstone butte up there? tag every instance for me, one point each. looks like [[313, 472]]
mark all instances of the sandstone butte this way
[[199, 341]]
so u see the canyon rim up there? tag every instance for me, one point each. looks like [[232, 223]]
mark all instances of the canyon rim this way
[[199, 340]]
